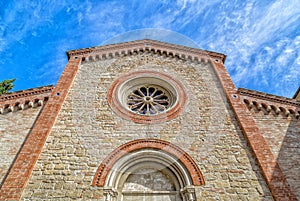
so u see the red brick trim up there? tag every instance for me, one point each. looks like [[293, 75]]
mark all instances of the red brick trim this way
[[25, 99], [109, 51], [25, 93], [274, 176], [113, 157], [269, 97], [270, 107], [22, 168], [119, 109]]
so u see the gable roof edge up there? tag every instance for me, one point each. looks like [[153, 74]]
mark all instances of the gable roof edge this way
[[123, 48]]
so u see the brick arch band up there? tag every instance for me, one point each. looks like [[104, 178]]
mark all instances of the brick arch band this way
[[105, 167]]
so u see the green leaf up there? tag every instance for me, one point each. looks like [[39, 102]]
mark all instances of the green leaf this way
[[6, 85]]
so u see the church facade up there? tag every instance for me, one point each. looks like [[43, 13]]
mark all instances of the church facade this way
[[148, 121]]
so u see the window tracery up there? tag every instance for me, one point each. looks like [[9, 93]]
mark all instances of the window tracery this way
[[147, 97], [149, 100]]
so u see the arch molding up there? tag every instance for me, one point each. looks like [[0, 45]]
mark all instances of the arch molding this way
[[132, 146]]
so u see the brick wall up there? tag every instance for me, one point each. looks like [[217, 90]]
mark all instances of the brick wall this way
[[87, 130], [282, 133]]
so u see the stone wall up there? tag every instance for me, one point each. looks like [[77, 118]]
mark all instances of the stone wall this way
[[87, 130], [14, 127], [282, 134], [18, 112]]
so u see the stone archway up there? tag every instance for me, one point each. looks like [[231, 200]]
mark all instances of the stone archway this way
[[148, 170]]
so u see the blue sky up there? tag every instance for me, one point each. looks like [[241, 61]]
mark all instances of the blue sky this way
[[261, 38]]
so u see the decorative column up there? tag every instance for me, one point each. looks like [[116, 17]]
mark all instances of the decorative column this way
[[188, 193], [110, 194]]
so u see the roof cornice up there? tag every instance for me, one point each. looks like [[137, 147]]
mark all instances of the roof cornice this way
[[270, 104], [146, 44], [20, 100], [269, 97]]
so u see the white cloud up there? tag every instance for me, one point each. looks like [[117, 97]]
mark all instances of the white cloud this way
[[298, 60], [277, 17], [257, 36]]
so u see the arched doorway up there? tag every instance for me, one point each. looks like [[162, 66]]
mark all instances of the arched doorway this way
[[150, 170]]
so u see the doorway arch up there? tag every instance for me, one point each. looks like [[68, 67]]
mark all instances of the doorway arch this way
[[148, 169]]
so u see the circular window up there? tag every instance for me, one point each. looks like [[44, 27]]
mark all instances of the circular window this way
[[148, 100], [146, 97]]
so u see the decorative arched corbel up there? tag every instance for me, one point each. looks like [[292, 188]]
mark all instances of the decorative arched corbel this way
[[30, 104], [40, 102]]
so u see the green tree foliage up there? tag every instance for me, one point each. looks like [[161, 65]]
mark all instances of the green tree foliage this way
[[6, 85]]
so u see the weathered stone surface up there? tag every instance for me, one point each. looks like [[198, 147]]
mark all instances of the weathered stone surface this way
[[283, 137], [87, 130], [14, 127]]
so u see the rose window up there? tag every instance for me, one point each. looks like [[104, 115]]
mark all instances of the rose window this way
[[148, 100], [146, 97]]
